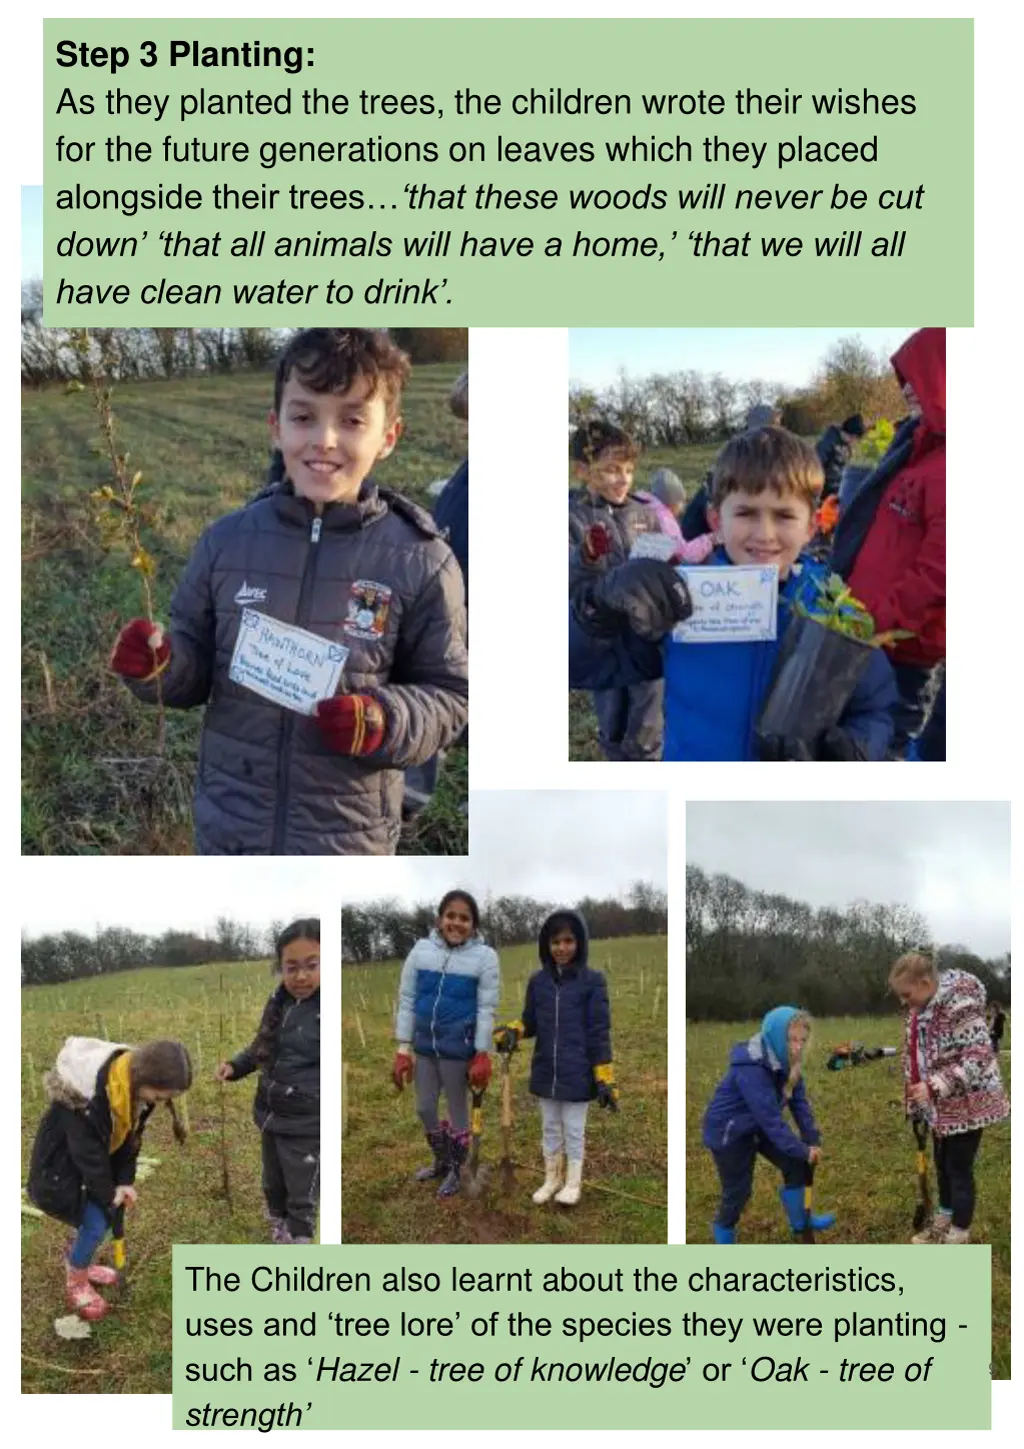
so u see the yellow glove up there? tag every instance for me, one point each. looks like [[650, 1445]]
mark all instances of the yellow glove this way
[[607, 1091], [508, 1037]]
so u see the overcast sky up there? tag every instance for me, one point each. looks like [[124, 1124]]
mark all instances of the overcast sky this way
[[180, 893], [786, 355], [950, 861], [555, 845]]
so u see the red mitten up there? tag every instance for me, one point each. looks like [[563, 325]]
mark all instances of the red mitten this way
[[479, 1072], [141, 651], [352, 724], [402, 1069], [597, 543]]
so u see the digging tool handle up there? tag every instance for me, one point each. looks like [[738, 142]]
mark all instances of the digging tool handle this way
[[506, 1096], [117, 1231], [808, 1231]]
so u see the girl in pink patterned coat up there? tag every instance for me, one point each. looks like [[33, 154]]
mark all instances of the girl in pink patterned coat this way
[[951, 1078]]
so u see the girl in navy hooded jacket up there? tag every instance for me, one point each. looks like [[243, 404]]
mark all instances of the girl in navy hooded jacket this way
[[745, 1118], [567, 1012]]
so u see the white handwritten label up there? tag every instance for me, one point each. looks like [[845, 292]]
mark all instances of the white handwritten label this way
[[653, 545], [733, 605], [289, 666]]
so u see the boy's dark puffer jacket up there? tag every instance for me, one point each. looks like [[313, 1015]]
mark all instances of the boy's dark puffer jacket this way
[[377, 578], [71, 1158], [624, 521], [288, 1095], [567, 1012]]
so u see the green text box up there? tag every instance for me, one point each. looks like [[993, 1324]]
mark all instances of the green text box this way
[[609, 1341], [916, 152]]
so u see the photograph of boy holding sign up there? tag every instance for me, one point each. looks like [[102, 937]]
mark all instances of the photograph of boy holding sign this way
[[717, 635], [322, 625]]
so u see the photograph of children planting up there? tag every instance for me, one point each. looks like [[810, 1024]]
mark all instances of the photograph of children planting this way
[[170, 1093], [757, 568], [488, 1032], [845, 1079]]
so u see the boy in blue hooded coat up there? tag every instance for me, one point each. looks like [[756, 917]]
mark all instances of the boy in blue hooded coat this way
[[567, 1012], [764, 495], [745, 1118]]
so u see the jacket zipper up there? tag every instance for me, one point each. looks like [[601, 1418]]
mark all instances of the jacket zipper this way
[[288, 723], [554, 1061], [437, 998]]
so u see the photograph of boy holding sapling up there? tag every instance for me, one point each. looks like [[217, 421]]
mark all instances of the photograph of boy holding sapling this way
[[771, 649], [322, 625]]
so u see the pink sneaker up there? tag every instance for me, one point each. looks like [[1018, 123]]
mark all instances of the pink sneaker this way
[[103, 1277], [82, 1296]]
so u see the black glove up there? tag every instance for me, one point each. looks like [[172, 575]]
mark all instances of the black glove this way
[[836, 744], [784, 747], [644, 595]]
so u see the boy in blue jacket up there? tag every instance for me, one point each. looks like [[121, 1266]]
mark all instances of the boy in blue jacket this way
[[745, 1118], [567, 1012], [765, 487]]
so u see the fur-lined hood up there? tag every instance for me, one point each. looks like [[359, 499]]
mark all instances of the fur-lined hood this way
[[72, 1081]]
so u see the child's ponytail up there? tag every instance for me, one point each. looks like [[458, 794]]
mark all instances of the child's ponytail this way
[[167, 1066]]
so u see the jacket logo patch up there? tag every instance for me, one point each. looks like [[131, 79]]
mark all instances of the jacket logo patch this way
[[250, 594], [366, 616]]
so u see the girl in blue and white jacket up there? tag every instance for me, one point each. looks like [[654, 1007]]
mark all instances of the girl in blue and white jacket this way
[[447, 997]]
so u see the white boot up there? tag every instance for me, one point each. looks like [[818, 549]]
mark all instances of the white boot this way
[[570, 1194], [552, 1179]]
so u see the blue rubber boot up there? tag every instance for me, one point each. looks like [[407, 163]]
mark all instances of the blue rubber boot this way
[[723, 1235], [792, 1199]]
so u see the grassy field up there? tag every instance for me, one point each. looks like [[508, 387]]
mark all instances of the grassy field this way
[[182, 1202], [867, 1175], [202, 446], [691, 465], [626, 1153]]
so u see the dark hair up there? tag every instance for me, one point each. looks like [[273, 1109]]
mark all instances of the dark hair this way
[[265, 1046], [167, 1066], [854, 425], [332, 359], [561, 921], [767, 457], [592, 439], [307, 930], [449, 896]]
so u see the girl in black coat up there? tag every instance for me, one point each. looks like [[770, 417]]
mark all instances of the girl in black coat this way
[[83, 1162], [567, 1011], [286, 1052]]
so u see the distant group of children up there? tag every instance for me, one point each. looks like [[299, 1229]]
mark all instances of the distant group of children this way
[[660, 696], [103, 1093], [951, 1082], [445, 1030]]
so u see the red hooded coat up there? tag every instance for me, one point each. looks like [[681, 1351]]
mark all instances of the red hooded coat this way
[[900, 570]]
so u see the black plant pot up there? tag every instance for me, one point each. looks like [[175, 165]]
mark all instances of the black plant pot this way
[[815, 676]]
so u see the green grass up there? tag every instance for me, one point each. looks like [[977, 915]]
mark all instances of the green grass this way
[[626, 1152], [867, 1174], [89, 787], [182, 1202]]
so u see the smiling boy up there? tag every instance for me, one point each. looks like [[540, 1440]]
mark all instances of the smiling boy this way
[[765, 486], [323, 549]]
